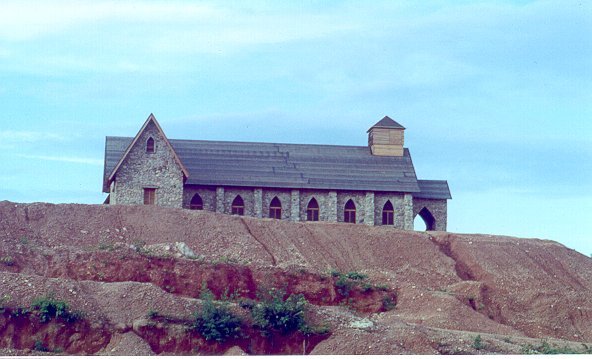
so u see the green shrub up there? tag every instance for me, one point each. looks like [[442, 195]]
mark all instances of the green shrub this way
[[40, 347], [346, 282], [274, 313], [20, 312], [356, 276], [215, 320], [478, 343], [50, 308], [344, 285], [152, 313], [388, 303]]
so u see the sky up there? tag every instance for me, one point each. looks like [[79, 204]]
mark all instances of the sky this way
[[496, 96]]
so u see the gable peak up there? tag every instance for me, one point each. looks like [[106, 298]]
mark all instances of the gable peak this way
[[387, 122]]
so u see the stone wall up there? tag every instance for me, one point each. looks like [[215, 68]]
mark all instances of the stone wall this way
[[207, 194], [141, 170], [380, 199], [285, 198], [369, 205], [359, 199], [230, 194], [326, 208], [437, 207]]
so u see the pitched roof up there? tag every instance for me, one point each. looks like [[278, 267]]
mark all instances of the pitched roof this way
[[277, 165], [150, 119], [430, 189], [386, 122]]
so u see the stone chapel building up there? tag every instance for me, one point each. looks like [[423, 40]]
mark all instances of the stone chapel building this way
[[374, 184]]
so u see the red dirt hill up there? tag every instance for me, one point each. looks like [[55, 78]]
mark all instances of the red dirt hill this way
[[118, 263]]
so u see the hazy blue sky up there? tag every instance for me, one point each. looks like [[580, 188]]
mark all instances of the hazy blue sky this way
[[496, 95]]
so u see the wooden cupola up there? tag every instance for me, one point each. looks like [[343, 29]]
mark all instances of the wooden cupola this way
[[386, 138]]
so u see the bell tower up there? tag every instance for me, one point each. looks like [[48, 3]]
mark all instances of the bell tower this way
[[386, 138]]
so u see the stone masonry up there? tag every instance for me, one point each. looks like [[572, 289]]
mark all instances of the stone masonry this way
[[163, 171], [141, 170]]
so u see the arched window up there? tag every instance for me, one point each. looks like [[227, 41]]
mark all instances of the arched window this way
[[312, 210], [349, 213], [196, 202], [428, 218], [388, 214], [150, 145], [275, 208], [238, 206]]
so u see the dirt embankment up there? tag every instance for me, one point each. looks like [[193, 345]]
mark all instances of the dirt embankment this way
[[117, 263]]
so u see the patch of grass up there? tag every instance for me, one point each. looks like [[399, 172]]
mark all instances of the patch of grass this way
[[225, 260], [381, 286], [478, 343], [50, 308], [106, 247], [24, 240], [545, 348], [216, 321]]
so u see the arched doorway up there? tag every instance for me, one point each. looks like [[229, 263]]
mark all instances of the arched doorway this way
[[428, 220], [349, 212], [312, 210], [196, 202]]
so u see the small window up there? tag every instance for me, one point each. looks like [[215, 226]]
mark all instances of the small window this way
[[196, 202], [388, 214], [275, 208], [238, 206], [150, 145], [312, 211], [349, 213], [150, 196]]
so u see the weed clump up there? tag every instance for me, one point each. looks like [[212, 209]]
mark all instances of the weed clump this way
[[50, 308], [216, 321], [478, 343], [276, 313]]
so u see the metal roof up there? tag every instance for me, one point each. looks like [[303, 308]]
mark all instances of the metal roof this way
[[276, 165], [431, 189], [387, 122]]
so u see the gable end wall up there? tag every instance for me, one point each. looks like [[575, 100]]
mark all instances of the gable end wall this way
[[157, 170]]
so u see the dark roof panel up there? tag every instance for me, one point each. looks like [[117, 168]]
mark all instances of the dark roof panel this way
[[433, 190], [387, 122], [253, 164]]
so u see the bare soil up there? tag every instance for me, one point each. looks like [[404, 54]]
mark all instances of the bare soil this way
[[118, 264]]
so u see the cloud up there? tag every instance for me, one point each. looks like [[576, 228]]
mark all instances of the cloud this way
[[16, 137], [27, 20], [201, 27], [67, 159]]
